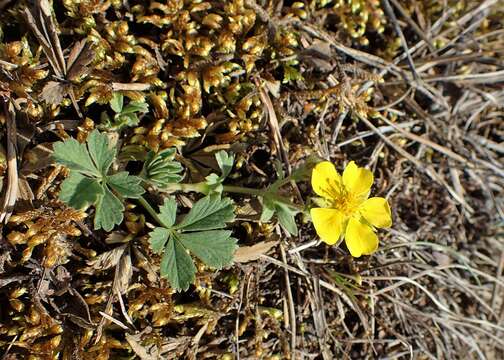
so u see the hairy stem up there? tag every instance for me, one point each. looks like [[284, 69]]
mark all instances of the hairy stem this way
[[243, 190], [150, 210], [202, 187]]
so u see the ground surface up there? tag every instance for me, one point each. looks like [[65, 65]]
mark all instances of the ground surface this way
[[410, 89]]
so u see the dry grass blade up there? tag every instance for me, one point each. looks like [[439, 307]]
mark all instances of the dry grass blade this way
[[115, 321], [45, 42], [292, 311], [429, 170], [427, 142], [413, 25], [274, 125], [11, 190], [49, 25], [10, 279], [7, 64], [397, 28], [45, 30], [130, 86]]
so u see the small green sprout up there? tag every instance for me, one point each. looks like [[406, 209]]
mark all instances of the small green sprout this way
[[125, 116], [161, 169], [291, 73], [225, 162]]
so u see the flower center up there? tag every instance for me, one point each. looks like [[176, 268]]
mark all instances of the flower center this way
[[347, 203], [339, 198]]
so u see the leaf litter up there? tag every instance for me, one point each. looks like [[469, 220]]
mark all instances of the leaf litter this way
[[411, 89]]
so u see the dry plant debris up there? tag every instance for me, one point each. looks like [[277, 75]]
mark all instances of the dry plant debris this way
[[156, 159]]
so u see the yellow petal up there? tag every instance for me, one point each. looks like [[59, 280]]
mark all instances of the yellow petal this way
[[325, 178], [357, 180], [328, 224], [376, 210], [360, 238]]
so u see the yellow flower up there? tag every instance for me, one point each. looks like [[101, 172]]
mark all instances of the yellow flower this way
[[347, 209]]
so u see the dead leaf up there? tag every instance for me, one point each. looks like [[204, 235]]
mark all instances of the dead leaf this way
[[117, 237], [80, 56], [14, 278], [319, 49], [274, 124], [37, 158], [250, 253], [25, 191], [144, 264], [273, 87], [123, 274], [142, 352], [108, 259], [54, 92], [441, 258]]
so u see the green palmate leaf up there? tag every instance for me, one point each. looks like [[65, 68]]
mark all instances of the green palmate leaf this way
[[126, 185], [209, 213], [225, 162], [117, 102], [79, 191], [109, 211], [102, 155], [286, 217], [74, 156], [196, 234], [89, 183], [168, 212], [165, 168], [158, 238], [177, 266], [215, 247]]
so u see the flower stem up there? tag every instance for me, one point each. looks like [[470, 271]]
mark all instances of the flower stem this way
[[243, 190], [202, 187], [261, 192]]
